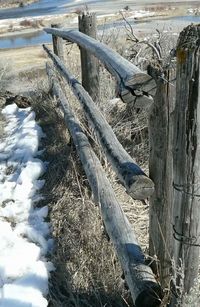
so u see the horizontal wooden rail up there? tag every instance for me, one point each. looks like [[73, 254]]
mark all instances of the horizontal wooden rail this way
[[144, 289], [137, 184], [133, 84]]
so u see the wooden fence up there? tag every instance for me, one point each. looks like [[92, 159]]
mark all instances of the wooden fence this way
[[133, 83], [174, 155]]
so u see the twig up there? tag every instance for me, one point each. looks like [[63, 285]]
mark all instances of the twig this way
[[133, 37]]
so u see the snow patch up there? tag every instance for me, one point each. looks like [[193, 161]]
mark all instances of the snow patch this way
[[24, 233]]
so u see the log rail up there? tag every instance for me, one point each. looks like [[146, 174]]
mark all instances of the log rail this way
[[133, 84], [145, 290], [137, 183]]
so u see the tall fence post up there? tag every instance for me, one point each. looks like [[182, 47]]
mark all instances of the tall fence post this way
[[186, 156], [89, 63], [174, 130], [160, 171], [57, 44]]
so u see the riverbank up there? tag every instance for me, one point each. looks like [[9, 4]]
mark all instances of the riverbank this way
[[29, 31], [5, 4], [20, 26]]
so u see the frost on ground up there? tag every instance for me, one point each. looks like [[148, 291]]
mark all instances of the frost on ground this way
[[24, 234]]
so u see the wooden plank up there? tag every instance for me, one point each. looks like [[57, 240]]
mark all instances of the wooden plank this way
[[57, 44], [89, 63], [144, 289], [137, 184], [129, 77], [186, 155]]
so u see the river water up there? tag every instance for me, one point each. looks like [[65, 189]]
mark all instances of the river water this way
[[40, 8], [50, 7], [47, 7]]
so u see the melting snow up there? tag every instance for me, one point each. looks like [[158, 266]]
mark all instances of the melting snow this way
[[24, 233]]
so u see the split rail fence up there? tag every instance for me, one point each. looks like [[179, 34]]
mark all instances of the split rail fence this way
[[173, 183]]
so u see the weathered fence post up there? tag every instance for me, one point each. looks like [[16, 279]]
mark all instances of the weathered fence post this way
[[57, 44], [160, 171], [186, 156], [89, 63]]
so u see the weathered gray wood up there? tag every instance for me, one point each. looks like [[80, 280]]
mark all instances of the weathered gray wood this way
[[137, 184], [144, 289], [57, 44], [132, 82], [89, 63], [160, 171], [186, 155]]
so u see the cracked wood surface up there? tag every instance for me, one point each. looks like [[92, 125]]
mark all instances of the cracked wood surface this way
[[134, 85], [186, 155]]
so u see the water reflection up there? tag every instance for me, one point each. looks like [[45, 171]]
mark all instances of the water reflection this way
[[42, 7], [28, 39]]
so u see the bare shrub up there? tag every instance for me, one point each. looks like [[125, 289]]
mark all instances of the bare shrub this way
[[143, 50], [15, 3], [5, 74], [31, 23]]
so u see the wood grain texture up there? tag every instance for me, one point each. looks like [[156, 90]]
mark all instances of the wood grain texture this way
[[57, 44], [137, 184], [160, 171], [129, 77], [143, 287], [186, 155], [89, 63]]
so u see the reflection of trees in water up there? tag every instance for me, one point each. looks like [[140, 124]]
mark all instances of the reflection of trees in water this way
[[27, 39], [13, 39]]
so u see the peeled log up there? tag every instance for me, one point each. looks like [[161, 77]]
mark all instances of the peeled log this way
[[136, 182], [129, 77], [145, 291]]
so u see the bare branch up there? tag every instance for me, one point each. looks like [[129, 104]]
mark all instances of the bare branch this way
[[133, 37]]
